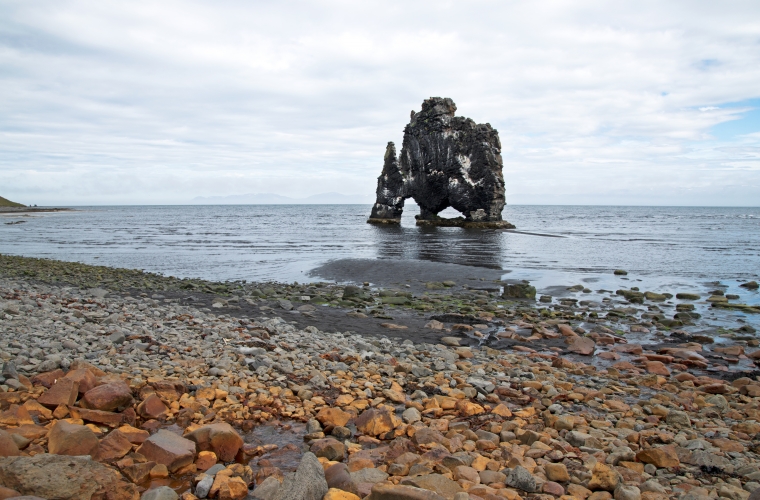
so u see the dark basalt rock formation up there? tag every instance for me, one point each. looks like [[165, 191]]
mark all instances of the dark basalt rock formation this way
[[446, 161]]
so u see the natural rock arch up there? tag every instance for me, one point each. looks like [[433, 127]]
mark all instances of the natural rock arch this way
[[446, 161]]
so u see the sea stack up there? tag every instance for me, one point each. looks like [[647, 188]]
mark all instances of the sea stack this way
[[446, 161]]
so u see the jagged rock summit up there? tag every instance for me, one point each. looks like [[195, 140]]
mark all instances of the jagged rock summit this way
[[446, 161]]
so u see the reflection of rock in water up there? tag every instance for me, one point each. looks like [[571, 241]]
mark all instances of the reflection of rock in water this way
[[446, 161], [467, 248]]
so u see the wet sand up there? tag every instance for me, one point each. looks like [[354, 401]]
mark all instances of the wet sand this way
[[414, 273]]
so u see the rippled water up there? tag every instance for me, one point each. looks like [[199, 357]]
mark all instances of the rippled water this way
[[282, 242]]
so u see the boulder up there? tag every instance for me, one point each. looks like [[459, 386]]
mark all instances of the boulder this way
[[220, 438], [84, 377], [306, 483], [63, 392], [64, 478], [108, 397], [71, 439], [167, 448]]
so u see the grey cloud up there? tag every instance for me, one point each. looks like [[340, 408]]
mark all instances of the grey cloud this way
[[159, 102]]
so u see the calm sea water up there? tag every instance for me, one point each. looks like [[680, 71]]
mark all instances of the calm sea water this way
[[659, 246]]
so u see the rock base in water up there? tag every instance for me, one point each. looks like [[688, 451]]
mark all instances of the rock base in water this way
[[462, 222], [375, 220]]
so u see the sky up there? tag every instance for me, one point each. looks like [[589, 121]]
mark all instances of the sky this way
[[144, 102]]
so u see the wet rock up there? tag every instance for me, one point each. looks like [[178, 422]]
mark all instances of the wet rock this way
[[220, 438], [581, 345], [329, 448], [519, 291]]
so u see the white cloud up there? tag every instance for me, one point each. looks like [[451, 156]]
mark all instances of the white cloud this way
[[158, 102]]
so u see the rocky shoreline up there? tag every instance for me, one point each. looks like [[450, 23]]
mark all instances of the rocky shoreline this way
[[121, 384]]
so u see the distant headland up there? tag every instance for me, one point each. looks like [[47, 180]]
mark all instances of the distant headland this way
[[10, 204]]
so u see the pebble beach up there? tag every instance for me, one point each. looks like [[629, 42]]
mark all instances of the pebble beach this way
[[138, 385]]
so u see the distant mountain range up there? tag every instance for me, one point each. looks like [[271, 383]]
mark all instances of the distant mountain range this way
[[276, 199]]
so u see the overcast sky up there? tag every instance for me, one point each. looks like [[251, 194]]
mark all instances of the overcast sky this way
[[644, 102]]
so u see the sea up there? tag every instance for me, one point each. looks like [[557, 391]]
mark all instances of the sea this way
[[661, 248]]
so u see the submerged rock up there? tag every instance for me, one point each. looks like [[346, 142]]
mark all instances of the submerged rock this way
[[446, 161]]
